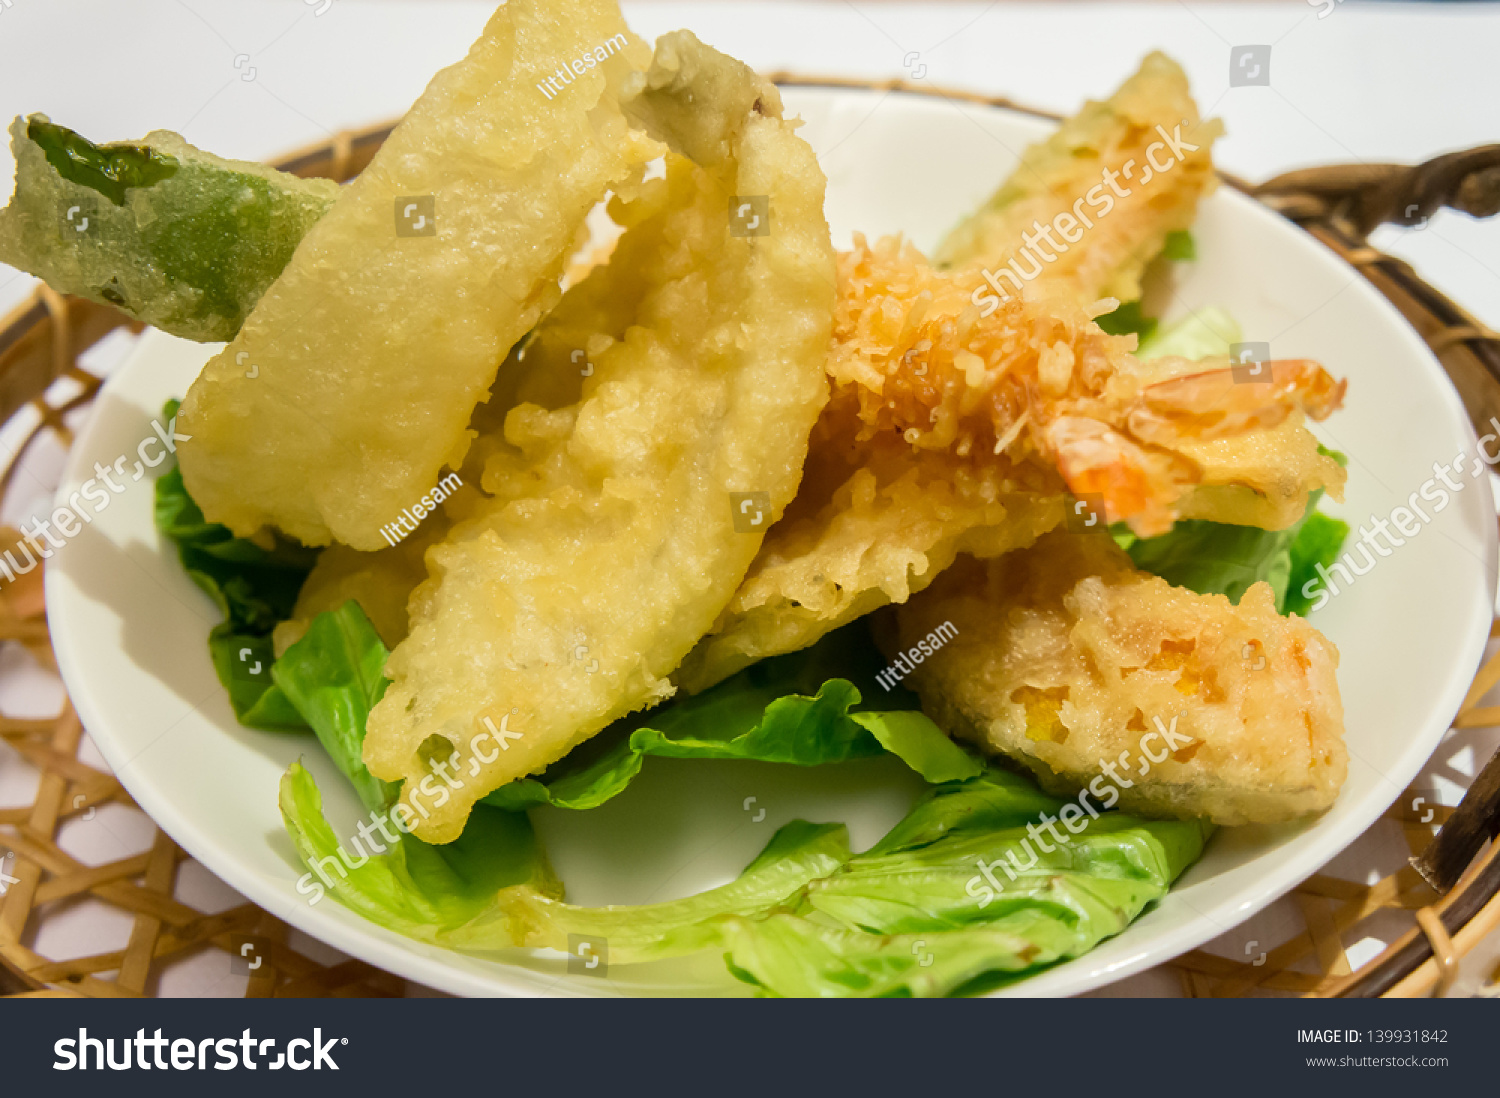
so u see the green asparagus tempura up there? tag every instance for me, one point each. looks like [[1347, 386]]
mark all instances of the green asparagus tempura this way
[[168, 234]]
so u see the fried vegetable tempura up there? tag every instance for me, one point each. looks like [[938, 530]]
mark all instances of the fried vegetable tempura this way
[[862, 534], [949, 431], [1092, 675], [1121, 174], [168, 234], [381, 582], [351, 383], [612, 525]]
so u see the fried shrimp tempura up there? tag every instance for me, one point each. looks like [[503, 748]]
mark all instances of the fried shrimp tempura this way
[[612, 524], [1039, 381], [1121, 174], [351, 383], [948, 431], [1092, 675]]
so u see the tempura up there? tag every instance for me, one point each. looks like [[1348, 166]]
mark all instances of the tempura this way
[[1092, 675], [351, 384], [1111, 183], [621, 524]]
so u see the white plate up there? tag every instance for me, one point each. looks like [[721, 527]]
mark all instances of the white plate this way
[[129, 627]]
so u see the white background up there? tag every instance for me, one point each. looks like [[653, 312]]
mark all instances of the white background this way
[[1367, 82]]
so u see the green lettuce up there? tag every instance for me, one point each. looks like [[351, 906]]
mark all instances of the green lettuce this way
[[799, 854], [1203, 333], [1179, 244], [1128, 318], [916, 915], [758, 714], [1319, 542], [406, 885], [962, 895], [333, 676], [493, 888], [1214, 558], [254, 586]]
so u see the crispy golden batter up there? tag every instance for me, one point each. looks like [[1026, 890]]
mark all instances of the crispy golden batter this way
[[857, 538], [1123, 225], [1065, 658], [1038, 381], [612, 523], [381, 582], [352, 381], [949, 431]]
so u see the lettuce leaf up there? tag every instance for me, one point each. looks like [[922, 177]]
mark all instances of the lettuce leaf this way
[[794, 729], [1214, 558], [1128, 318], [1179, 245], [1203, 333], [917, 915], [333, 676], [802, 709], [408, 886], [1319, 542], [797, 855], [254, 586]]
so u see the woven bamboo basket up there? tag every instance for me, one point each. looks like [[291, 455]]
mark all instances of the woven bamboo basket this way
[[1449, 896]]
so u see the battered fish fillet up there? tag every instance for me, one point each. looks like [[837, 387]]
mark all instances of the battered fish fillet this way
[[1092, 675], [613, 520], [950, 431], [1149, 137], [352, 381]]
